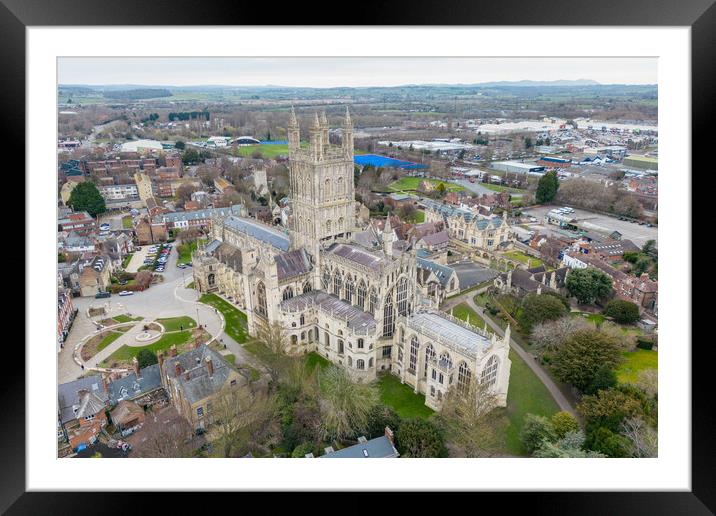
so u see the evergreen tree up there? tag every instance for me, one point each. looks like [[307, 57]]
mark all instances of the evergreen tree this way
[[86, 197], [547, 188]]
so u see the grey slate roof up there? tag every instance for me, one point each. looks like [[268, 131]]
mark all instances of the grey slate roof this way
[[378, 448], [259, 231], [198, 214], [443, 272], [354, 253], [291, 264], [199, 385], [441, 237], [212, 246], [356, 318], [130, 387], [68, 394]]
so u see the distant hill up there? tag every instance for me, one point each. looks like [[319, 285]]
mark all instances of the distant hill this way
[[562, 82], [143, 93]]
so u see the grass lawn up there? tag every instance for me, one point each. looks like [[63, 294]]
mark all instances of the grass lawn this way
[[185, 250], [190, 285], [419, 217], [462, 311], [526, 394], [230, 358], [500, 188], [108, 339], [401, 398], [267, 151], [126, 260], [412, 183], [313, 359], [521, 257], [126, 353], [127, 222], [635, 362], [236, 320], [122, 318], [177, 323]]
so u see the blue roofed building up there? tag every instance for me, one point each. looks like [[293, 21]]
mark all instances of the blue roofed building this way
[[382, 447]]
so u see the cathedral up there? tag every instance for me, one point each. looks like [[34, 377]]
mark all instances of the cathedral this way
[[357, 305]]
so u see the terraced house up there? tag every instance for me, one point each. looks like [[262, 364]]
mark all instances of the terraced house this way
[[360, 305]]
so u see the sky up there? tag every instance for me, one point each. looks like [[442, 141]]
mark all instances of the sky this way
[[326, 72]]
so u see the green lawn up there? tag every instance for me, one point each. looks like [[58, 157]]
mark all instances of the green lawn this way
[[500, 188], [127, 222], [126, 260], [635, 362], [418, 218], [267, 151], [122, 318], [126, 353], [412, 183], [401, 398], [236, 321], [521, 257], [313, 359], [185, 250], [462, 311], [177, 323], [526, 394], [108, 339]]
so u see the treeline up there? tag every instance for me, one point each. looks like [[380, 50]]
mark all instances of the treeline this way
[[189, 115], [137, 94]]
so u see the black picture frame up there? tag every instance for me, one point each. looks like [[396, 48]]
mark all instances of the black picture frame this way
[[700, 15]]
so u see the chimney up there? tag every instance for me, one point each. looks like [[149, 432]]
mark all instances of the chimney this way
[[173, 350], [177, 368], [135, 366], [389, 435], [209, 366]]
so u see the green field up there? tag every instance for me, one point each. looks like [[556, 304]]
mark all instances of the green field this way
[[635, 362], [521, 257], [236, 321], [126, 353], [177, 323], [401, 398], [412, 184], [108, 339], [462, 311], [313, 359], [526, 394], [267, 151], [122, 318]]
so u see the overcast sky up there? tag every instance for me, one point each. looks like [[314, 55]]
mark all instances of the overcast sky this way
[[351, 71]]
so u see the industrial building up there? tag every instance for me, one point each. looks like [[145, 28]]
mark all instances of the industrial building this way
[[517, 167]]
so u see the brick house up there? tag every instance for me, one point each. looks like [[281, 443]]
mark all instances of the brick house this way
[[80, 222], [151, 233], [65, 315], [82, 408]]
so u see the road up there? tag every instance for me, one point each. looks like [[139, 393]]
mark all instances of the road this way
[[554, 390]]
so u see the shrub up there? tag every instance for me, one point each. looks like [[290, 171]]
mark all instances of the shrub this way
[[622, 311], [564, 422], [301, 450], [535, 431], [577, 361], [379, 417], [605, 441], [146, 357], [605, 378], [537, 309], [420, 438], [643, 343]]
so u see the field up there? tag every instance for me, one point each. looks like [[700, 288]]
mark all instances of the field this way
[[177, 323], [267, 151], [401, 398], [634, 363], [412, 184]]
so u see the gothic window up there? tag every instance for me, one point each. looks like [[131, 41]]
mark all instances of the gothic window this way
[[361, 295], [302, 320], [445, 360], [433, 289], [337, 283], [294, 340], [402, 334], [372, 301], [340, 228], [349, 291], [307, 287], [261, 299], [328, 339], [387, 351], [287, 293], [327, 189], [211, 278], [326, 280], [360, 364], [403, 296], [489, 373], [429, 355], [328, 226], [303, 335], [360, 343], [452, 284], [370, 363], [464, 375], [340, 186], [340, 347], [413, 364], [388, 318]]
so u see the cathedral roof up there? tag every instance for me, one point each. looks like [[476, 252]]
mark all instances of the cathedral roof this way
[[293, 263], [453, 333], [258, 231], [356, 319], [359, 255], [442, 272]]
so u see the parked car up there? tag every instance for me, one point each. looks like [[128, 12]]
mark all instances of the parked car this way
[[126, 293], [101, 295]]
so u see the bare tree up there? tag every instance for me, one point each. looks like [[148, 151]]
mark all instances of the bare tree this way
[[648, 381], [172, 441], [549, 335], [469, 419], [644, 438], [345, 405]]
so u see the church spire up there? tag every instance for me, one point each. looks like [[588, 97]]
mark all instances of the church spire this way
[[292, 120], [348, 135], [294, 132], [348, 122]]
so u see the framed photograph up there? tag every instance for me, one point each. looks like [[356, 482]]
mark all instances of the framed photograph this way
[[433, 243]]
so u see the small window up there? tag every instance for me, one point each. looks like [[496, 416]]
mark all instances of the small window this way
[[441, 378], [200, 411], [233, 382], [360, 343]]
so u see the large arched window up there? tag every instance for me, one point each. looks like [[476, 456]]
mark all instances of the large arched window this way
[[402, 297], [261, 299], [429, 355], [326, 280], [349, 291], [414, 346], [445, 360], [360, 364], [337, 283], [302, 320], [489, 373], [340, 227], [327, 189], [339, 186], [307, 287], [360, 297], [388, 318], [211, 279], [372, 301], [287, 293], [464, 376]]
